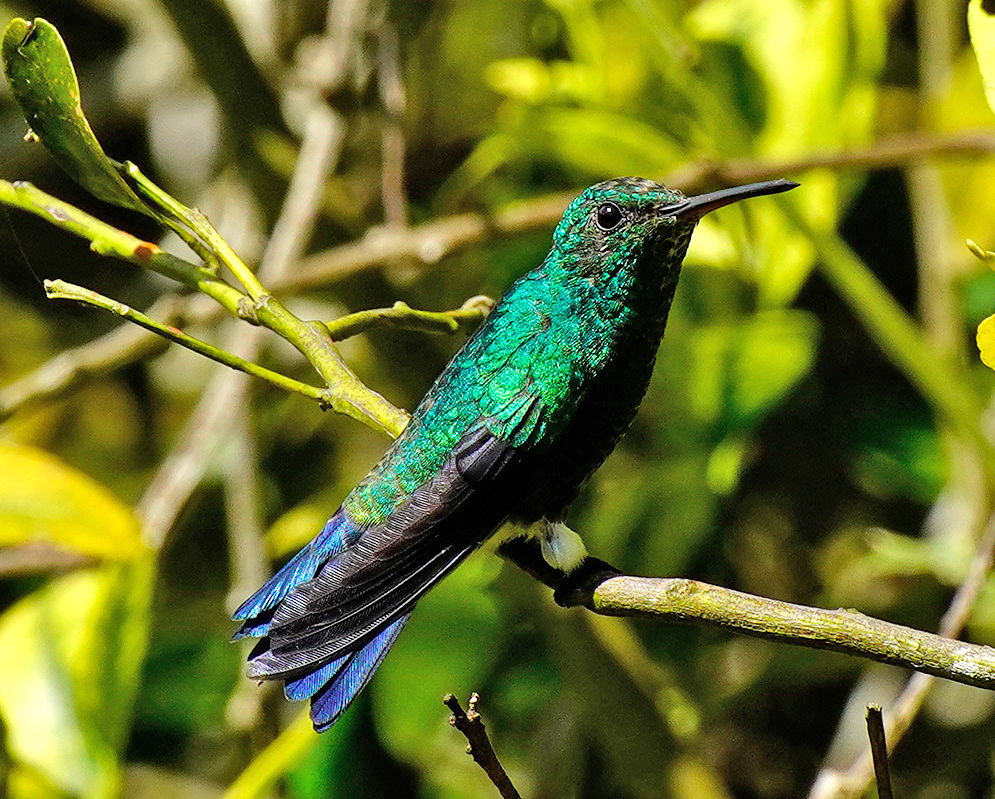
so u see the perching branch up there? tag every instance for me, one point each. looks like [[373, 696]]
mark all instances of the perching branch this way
[[478, 745], [841, 630], [601, 589]]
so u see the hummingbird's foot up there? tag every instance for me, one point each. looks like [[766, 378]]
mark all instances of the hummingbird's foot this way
[[569, 589], [578, 586]]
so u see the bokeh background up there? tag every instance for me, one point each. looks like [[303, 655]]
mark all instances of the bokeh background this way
[[798, 439]]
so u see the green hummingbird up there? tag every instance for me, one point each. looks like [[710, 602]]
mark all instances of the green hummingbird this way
[[518, 420]]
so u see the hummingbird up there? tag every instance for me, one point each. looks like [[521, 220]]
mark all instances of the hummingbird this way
[[512, 428]]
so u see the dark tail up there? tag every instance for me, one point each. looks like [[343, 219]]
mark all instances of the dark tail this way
[[332, 686]]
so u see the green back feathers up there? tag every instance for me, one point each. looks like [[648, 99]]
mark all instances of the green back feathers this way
[[527, 368]]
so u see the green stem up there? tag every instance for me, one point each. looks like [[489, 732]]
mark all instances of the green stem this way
[[346, 394], [108, 240], [201, 226], [274, 761], [403, 316], [166, 218], [60, 290], [938, 378]]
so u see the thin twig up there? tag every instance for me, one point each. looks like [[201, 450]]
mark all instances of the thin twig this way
[[60, 290], [248, 563], [879, 751], [478, 745], [402, 315], [430, 242], [34, 557], [853, 781], [392, 97]]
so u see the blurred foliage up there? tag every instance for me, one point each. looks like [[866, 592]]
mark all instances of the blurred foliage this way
[[780, 450]]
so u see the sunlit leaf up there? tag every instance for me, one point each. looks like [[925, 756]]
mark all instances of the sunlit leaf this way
[[295, 528], [72, 658], [42, 79], [741, 371], [605, 144], [895, 554], [44, 500], [986, 341], [533, 81], [981, 23]]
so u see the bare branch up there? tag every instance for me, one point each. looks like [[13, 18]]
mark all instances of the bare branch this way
[[432, 241], [600, 588], [879, 751], [402, 315], [478, 745]]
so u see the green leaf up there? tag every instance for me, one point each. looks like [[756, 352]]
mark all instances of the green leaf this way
[[742, 371], [73, 656], [42, 79], [449, 645], [601, 143], [986, 341], [44, 500], [981, 23]]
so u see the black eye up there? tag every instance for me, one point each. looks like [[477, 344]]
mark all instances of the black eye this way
[[609, 216]]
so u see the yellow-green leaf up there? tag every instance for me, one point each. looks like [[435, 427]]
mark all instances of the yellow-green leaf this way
[[986, 341], [73, 653], [981, 23], [44, 500], [42, 79]]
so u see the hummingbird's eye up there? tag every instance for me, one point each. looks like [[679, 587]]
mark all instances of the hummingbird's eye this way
[[609, 216]]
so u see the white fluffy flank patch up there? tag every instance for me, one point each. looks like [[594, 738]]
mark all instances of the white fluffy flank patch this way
[[562, 548]]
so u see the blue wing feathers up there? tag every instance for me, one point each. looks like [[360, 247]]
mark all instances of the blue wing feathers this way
[[327, 619]]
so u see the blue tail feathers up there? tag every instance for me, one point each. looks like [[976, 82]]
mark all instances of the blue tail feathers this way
[[330, 700], [256, 612], [331, 686]]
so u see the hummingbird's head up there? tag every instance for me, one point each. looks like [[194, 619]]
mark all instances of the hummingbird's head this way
[[628, 222]]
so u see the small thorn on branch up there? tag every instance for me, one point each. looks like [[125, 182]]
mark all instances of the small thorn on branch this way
[[478, 745], [879, 750]]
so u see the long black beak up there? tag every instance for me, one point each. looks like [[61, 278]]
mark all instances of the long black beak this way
[[696, 207]]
